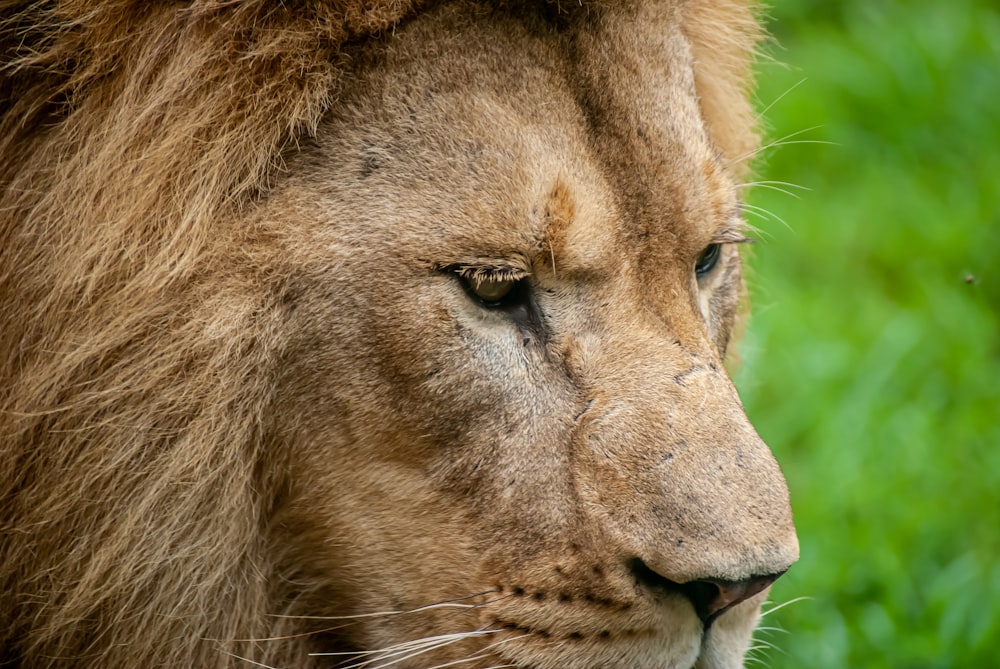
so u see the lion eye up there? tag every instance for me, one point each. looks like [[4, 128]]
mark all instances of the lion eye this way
[[492, 291], [708, 259], [494, 286]]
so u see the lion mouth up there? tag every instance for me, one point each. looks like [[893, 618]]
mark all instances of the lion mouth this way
[[583, 639], [676, 625]]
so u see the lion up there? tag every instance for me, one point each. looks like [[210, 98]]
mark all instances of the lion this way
[[378, 333]]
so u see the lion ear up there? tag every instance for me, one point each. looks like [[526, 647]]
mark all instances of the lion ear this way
[[724, 35]]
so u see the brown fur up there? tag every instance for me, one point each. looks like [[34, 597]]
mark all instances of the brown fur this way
[[242, 392]]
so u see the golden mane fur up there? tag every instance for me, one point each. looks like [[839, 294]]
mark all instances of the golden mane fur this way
[[142, 317]]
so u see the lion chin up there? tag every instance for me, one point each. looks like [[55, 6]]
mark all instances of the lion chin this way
[[378, 334]]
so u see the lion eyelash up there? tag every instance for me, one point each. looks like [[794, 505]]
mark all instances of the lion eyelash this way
[[480, 272], [733, 235], [735, 230]]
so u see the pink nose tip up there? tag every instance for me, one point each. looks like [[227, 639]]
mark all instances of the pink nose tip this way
[[712, 597]]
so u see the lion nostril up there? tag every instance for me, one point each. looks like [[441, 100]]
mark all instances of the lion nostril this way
[[711, 597], [703, 596]]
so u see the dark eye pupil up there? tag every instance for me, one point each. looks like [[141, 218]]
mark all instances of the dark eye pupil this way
[[708, 259]]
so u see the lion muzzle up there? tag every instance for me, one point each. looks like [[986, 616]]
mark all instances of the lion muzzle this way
[[675, 474]]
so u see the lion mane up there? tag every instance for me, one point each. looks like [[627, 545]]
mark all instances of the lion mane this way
[[142, 323]]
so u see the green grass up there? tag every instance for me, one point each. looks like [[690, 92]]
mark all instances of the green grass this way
[[872, 359]]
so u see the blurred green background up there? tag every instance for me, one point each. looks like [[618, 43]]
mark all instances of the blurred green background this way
[[871, 363]]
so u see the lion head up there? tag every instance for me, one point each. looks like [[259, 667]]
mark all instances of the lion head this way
[[377, 334]]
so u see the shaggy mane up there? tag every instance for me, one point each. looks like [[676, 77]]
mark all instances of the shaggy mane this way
[[140, 317]]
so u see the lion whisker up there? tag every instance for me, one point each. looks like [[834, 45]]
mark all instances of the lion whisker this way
[[772, 629], [764, 647], [778, 99], [404, 646], [298, 635], [761, 645], [455, 663], [406, 650], [787, 140], [248, 660], [398, 654], [779, 144], [361, 617], [447, 603], [765, 214], [777, 187], [778, 182], [379, 614], [483, 654], [471, 659], [778, 607], [507, 640]]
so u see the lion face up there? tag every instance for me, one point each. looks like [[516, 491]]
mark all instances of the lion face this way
[[377, 333], [511, 269]]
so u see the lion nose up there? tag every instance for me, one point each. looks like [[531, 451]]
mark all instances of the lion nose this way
[[711, 597]]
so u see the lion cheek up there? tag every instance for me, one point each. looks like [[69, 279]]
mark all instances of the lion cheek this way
[[353, 554]]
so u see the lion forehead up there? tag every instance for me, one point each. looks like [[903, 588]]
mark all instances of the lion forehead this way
[[511, 141]]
